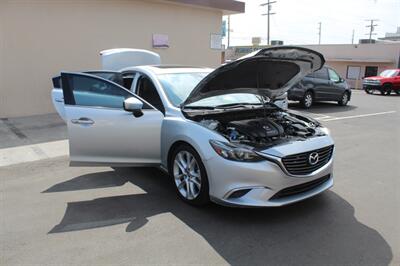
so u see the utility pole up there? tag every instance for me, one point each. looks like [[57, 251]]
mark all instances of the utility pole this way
[[352, 38], [319, 32], [268, 14], [371, 27]]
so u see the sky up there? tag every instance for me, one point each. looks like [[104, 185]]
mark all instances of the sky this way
[[296, 21]]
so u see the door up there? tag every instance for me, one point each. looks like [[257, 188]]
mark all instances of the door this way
[[100, 131], [337, 86], [396, 80], [321, 84], [57, 93]]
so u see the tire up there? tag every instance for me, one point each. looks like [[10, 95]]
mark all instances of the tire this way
[[369, 91], [387, 89], [344, 100], [189, 177], [397, 91], [307, 100]]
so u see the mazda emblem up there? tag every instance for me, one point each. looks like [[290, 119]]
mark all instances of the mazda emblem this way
[[313, 158]]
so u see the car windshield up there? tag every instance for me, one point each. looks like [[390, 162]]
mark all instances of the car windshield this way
[[178, 86], [388, 73], [227, 100]]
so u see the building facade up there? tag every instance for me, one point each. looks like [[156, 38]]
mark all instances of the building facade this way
[[352, 61], [40, 38]]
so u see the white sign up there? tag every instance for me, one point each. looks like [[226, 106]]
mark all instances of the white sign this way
[[216, 41], [160, 41]]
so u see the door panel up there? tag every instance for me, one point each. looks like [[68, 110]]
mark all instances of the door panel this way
[[321, 84], [336, 88], [113, 137], [100, 131]]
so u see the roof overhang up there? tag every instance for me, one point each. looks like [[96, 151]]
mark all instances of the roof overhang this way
[[228, 7], [360, 60]]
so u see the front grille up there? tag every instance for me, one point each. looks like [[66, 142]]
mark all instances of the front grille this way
[[290, 191], [298, 164]]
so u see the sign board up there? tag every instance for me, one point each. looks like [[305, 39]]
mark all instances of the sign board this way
[[256, 41], [216, 41], [160, 41]]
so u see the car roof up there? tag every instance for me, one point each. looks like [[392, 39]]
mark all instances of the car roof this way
[[170, 69]]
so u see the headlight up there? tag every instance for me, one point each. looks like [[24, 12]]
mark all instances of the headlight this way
[[234, 153], [325, 130]]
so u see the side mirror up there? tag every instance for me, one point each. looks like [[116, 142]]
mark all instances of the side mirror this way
[[133, 105]]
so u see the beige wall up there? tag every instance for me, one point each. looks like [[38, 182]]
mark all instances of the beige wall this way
[[38, 39]]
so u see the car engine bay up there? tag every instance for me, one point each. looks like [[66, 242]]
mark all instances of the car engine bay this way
[[260, 129]]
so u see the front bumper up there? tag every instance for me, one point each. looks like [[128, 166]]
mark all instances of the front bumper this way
[[371, 86], [263, 184]]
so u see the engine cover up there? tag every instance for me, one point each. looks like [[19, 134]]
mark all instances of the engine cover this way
[[259, 128]]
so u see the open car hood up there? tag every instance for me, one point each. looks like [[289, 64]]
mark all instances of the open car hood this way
[[268, 72]]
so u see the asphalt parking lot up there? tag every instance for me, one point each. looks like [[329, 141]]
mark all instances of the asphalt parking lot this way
[[52, 214]]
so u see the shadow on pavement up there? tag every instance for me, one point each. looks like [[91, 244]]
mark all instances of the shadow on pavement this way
[[318, 231]]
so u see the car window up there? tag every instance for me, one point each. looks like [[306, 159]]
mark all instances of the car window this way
[[88, 91], [333, 75], [321, 73], [128, 78], [178, 86], [388, 73], [147, 91], [115, 77]]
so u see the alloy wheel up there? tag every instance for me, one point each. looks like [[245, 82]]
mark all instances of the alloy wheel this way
[[187, 175], [308, 100], [345, 99]]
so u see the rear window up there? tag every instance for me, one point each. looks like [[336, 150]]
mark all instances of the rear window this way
[[321, 73]]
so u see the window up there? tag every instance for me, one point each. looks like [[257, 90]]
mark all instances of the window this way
[[389, 73], [115, 77], [178, 86], [333, 76], [232, 98], [371, 71], [147, 91], [89, 91], [128, 78], [353, 72], [321, 74]]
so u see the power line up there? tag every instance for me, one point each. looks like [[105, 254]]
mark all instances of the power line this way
[[268, 14], [319, 32], [371, 27]]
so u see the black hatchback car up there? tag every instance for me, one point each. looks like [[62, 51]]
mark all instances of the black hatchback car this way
[[322, 85]]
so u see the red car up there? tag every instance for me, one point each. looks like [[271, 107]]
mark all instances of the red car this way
[[388, 81]]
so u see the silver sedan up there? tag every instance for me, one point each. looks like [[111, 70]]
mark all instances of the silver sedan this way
[[217, 133]]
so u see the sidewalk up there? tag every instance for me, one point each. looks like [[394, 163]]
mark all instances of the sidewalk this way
[[32, 138]]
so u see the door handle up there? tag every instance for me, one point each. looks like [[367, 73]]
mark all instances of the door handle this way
[[82, 121]]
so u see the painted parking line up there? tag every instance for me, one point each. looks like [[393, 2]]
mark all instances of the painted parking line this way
[[356, 116]]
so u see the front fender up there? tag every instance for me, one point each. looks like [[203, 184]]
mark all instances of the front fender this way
[[181, 129]]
